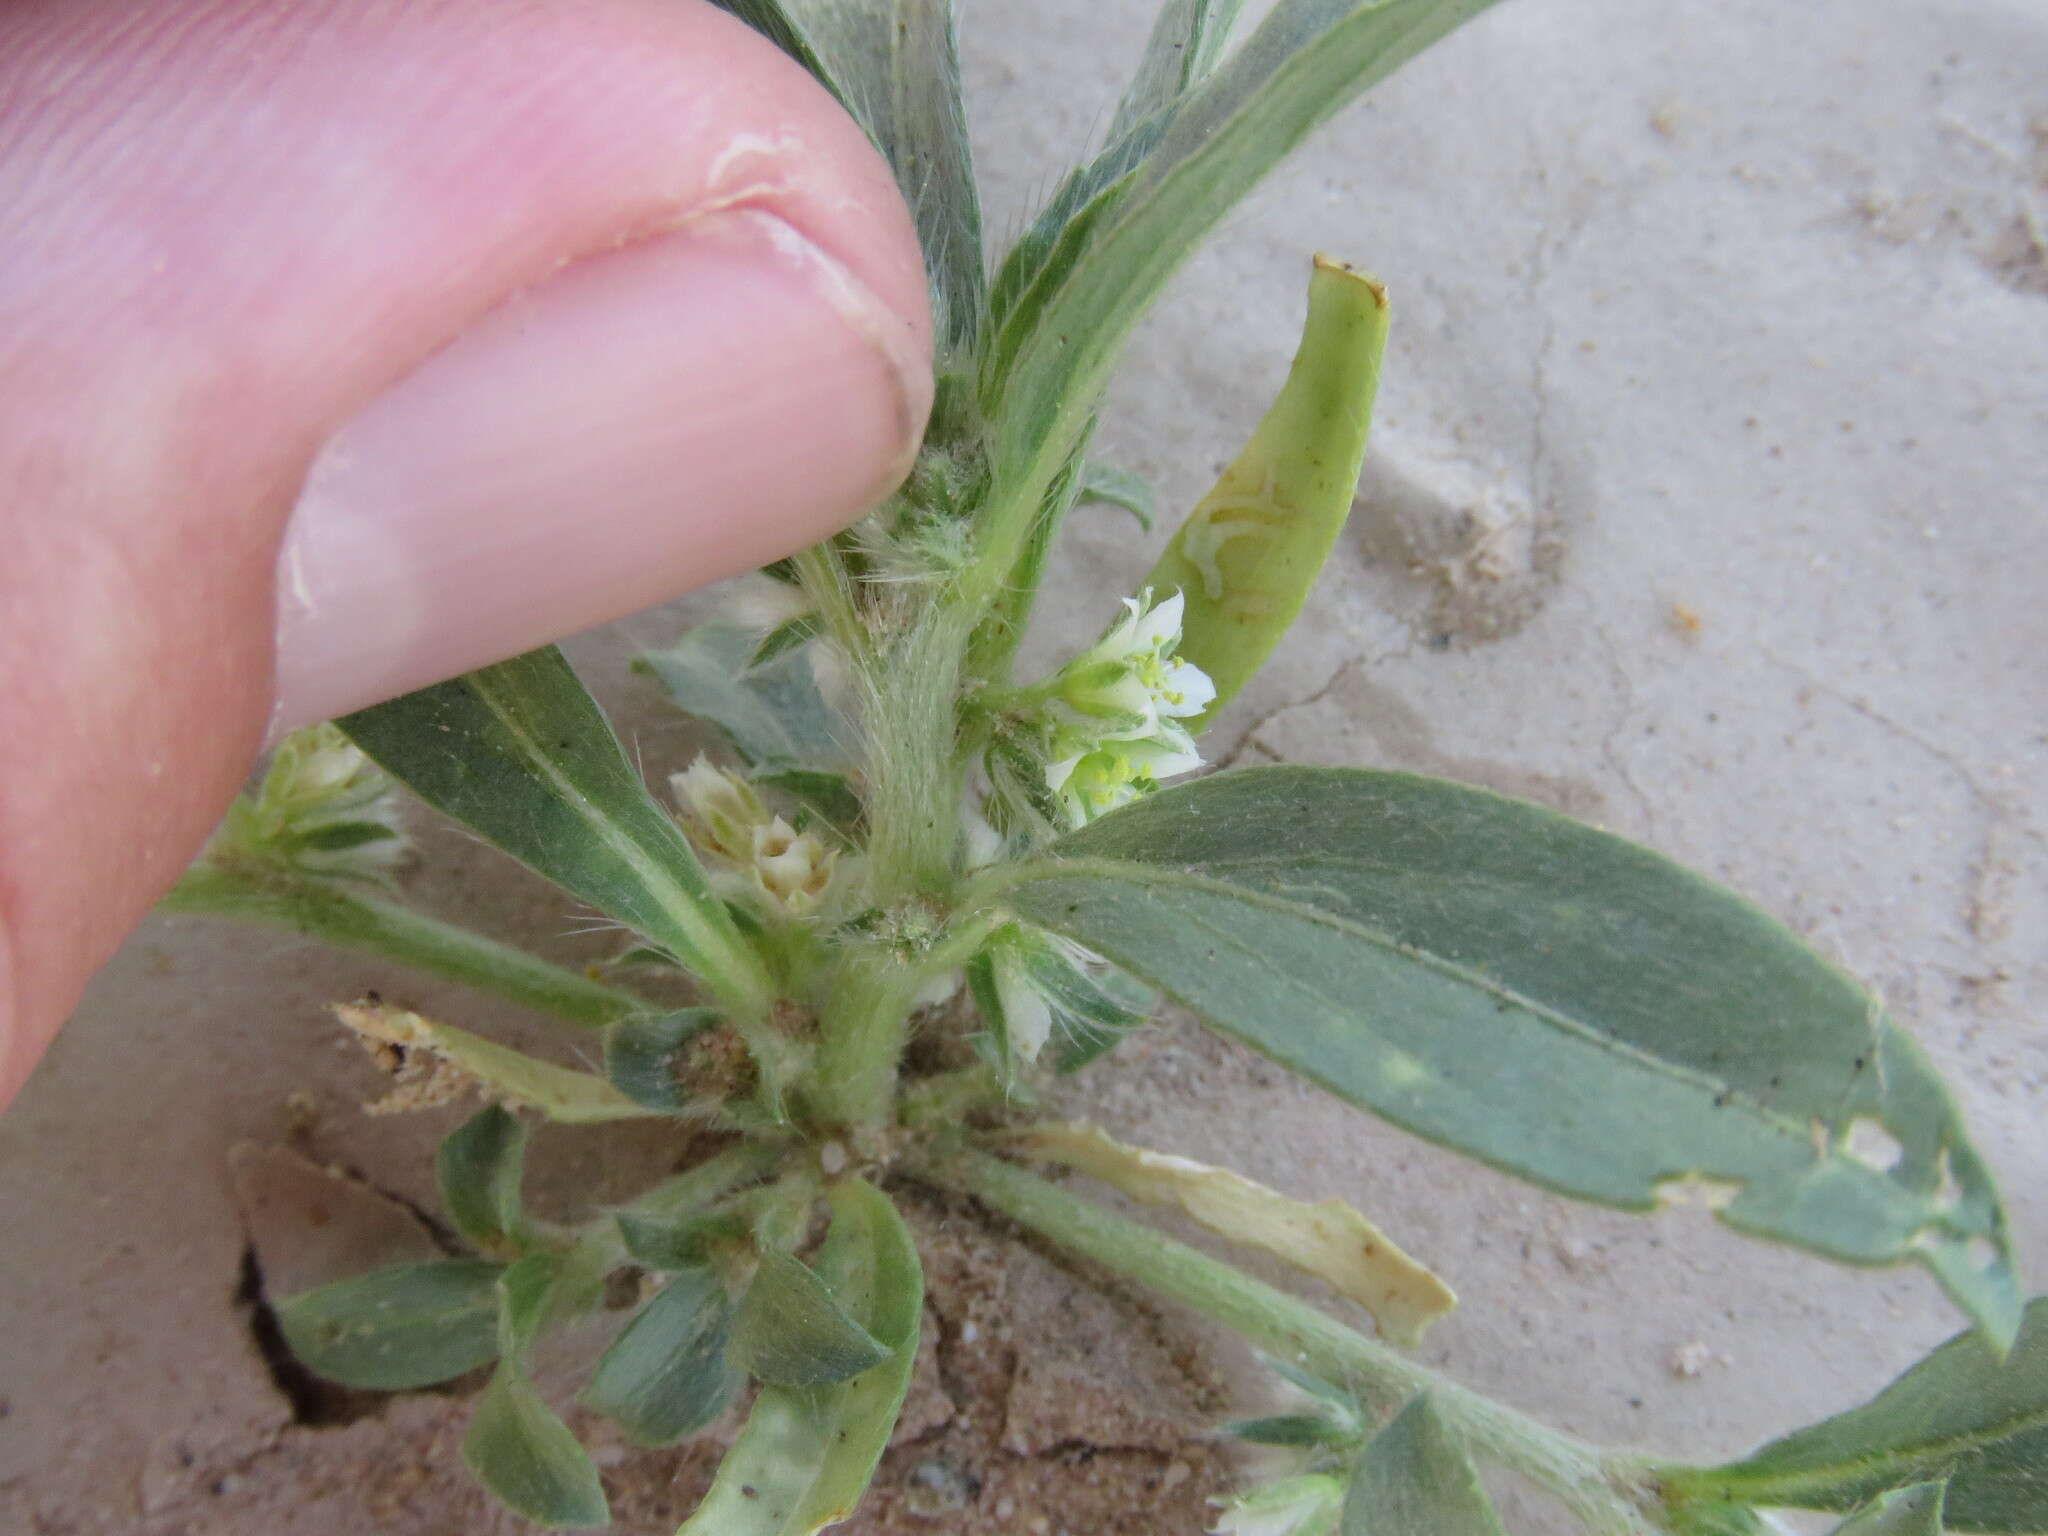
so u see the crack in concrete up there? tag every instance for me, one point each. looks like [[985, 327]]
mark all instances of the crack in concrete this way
[[1626, 688], [1249, 738], [1982, 913]]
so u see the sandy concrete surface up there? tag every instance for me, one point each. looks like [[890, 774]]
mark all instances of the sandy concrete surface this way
[[1707, 504]]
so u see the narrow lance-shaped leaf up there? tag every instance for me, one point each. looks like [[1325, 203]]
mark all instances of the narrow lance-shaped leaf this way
[[312, 906], [1545, 997], [1092, 1010], [521, 754], [516, 1445], [396, 1329], [1329, 1239], [1063, 323], [478, 1167], [1248, 555], [1298, 1431], [805, 1457], [1962, 1414], [772, 713], [1187, 43], [786, 637], [895, 66], [1414, 1477], [667, 1375]]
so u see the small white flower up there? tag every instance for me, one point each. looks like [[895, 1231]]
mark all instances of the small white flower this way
[[791, 868], [756, 855], [1130, 680], [1296, 1506], [720, 807], [1114, 712], [325, 808]]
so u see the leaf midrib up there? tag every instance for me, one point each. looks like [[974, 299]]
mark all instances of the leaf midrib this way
[[1155, 875], [673, 901]]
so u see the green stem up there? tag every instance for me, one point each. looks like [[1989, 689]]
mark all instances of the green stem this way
[[914, 780], [281, 898], [697, 1187], [865, 1024], [1587, 1480], [862, 1031]]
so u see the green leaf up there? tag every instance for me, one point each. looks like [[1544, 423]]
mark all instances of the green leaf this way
[[1300, 1430], [1962, 1414], [1187, 43], [1249, 554], [528, 1457], [791, 635], [895, 65], [392, 1330], [806, 1455], [1120, 488], [516, 1445], [529, 1294], [1091, 1010], [340, 836], [637, 956], [521, 754], [1031, 993], [478, 1167], [792, 1332], [1914, 1511], [772, 714], [667, 1376], [689, 1242], [1547, 998], [641, 1055], [1065, 301], [309, 904], [1414, 1477], [825, 797]]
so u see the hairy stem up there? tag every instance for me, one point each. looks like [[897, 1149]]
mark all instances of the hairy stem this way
[[914, 777], [862, 1028], [372, 925], [1583, 1477]]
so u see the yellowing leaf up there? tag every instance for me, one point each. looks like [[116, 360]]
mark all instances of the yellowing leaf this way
[[1329, 1239], [461, 1059]]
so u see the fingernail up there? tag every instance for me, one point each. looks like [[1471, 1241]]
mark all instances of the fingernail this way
[[644, 422]]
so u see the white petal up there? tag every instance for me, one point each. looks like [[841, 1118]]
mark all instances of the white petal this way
[[1162, 759], [1188, 684], [1027, 1017], [1057, 774], [1160, 628]]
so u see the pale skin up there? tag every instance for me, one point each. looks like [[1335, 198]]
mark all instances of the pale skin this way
[[347, 344]]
